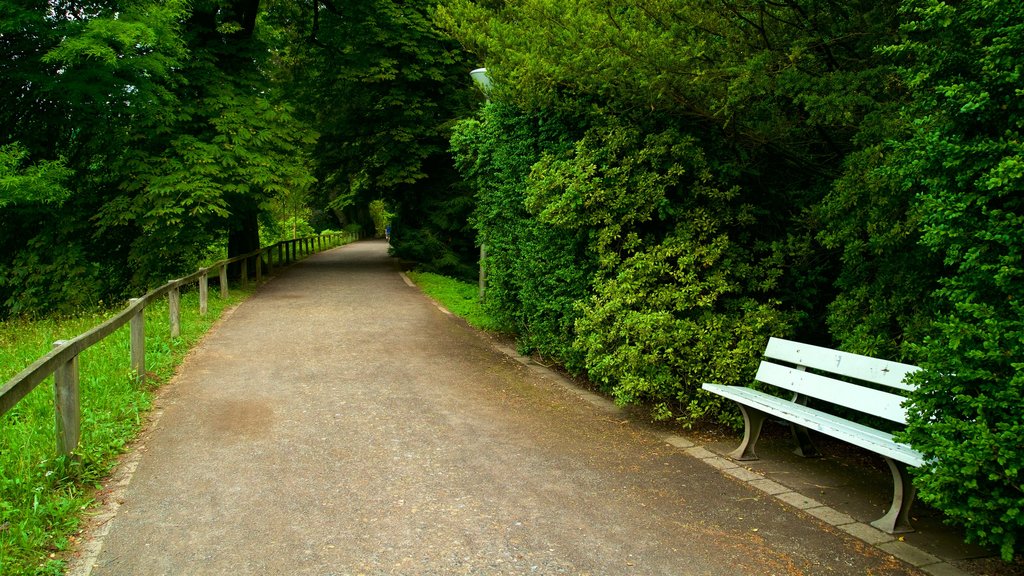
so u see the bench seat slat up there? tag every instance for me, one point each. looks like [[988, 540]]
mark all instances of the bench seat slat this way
[[868, 438], [867, 400], [884, 372]]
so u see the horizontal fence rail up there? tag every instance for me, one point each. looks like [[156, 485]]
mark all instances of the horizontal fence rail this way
[[62, 360]]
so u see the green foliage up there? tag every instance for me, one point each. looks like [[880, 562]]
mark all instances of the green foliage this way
[[41, 183], [136, 135], [41, 496], [288, 229], [536, 272], [669, 321], [383, 87], [884, 306], [354, 229], [40, 277], [381, 216], [688, 129], [673, 309], [962, 65]]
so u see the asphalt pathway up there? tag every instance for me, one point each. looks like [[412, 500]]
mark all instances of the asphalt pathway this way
[[338, 422]]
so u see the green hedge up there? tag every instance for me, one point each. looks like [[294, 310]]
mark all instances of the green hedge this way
[[663, 188]]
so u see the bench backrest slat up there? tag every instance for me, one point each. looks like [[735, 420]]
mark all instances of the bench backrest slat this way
[[866, 368], [867, 400]]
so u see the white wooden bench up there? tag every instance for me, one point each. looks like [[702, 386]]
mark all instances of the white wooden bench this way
[[861, 388]]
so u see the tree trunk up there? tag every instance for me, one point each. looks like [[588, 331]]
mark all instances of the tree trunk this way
[[244, 235]]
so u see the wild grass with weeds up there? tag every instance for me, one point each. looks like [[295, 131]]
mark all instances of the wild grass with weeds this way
[[42, 496]]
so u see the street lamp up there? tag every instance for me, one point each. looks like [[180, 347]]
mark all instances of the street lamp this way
[[483, 82]]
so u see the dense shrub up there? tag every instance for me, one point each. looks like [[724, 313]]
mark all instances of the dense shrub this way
[[536, 272], [966, 159], [677, 301], [740, 170]]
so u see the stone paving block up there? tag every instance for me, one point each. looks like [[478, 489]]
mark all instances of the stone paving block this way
[[943, 569], [798, 500], [909, 554], [679, 441], [867, 533], [770, 486], [701, 452], [742, 474], [720, 463], [830, 515]]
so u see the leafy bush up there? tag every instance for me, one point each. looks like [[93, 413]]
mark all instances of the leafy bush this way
[[670, 320], [677, 301], [354, 229], [966, 158], [287, 229]]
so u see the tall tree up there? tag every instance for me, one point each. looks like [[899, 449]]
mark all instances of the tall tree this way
[[167, 116], [82, 76]]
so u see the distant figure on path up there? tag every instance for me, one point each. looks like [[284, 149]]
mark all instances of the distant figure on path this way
[[387, 232]]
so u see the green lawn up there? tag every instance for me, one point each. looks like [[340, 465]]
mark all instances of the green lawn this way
[[42, 496], [461, 298]]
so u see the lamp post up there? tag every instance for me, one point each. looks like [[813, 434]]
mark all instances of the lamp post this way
[[483, 82]]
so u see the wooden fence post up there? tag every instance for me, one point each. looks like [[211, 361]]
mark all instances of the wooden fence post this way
[[223, 280], [294, 253], [204, 291], [259, 267], [174, 310], [245, 273], [138, 340], [270, 260], [67, 409]]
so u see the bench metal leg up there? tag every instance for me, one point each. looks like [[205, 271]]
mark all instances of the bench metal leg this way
[[897, 520], [804, 446], [752, 420]]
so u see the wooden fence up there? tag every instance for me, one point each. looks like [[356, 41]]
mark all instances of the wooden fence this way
[[62, 361]]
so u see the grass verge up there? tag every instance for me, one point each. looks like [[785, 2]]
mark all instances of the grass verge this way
[[42, 497], [461, 298]]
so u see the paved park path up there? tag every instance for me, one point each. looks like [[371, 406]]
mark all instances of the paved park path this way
[[339, 423]]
